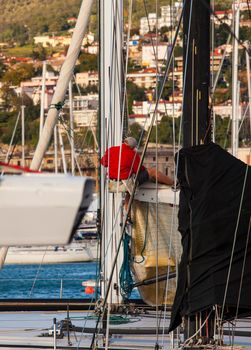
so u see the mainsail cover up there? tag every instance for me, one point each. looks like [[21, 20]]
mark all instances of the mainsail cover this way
[[215, 207]]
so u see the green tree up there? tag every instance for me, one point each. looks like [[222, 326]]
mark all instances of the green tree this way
[[8, 97], [8, 120], [221, 34], [39, 52], [15, 33], [136, 131], [14, 75], [84, 139], [134, 93], [3, 69], [222, 131], [165, 130], [245, 33], [87, 62]]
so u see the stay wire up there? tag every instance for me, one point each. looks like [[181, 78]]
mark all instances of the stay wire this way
[[230, 31], [149, 28], [134, 188], [232, 34], [38, 271], [70, 139], [249, 11], [120, 82], [9, 152], [150, 104], [166, 72], [118, 58], [155, 54]]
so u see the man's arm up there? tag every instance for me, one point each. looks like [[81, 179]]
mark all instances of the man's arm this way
[[104, 160]]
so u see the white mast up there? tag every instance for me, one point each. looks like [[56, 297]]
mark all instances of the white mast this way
[[23, 135], [235, 107], [56, 149], [63, 82], [61, 143], [71, 129], [111, 29], [42, 99]]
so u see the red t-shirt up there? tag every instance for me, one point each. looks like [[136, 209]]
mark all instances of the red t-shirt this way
[[129, 162]]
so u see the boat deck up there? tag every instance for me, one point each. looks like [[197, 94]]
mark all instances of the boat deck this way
[[32, 330]]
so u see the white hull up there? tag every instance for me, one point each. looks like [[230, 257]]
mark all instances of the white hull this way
[[76, 252]]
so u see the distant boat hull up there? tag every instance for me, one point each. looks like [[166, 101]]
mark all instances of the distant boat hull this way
[[74, 253]]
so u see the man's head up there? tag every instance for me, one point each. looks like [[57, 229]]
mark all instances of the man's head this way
[[131, 142]]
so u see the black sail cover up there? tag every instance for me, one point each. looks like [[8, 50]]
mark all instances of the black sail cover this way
[[215, 207]]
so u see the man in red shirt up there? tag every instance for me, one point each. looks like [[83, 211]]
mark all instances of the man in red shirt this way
[[123, 161]]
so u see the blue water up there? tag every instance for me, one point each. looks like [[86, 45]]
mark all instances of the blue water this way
[[46, 281]]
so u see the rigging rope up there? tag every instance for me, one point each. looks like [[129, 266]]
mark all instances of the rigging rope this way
[[240, 42], [125, 276]]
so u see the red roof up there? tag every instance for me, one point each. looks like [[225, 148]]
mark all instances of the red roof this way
[[134, 116], [137, 103]]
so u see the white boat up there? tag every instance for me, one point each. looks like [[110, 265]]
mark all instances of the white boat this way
[[81, 251]]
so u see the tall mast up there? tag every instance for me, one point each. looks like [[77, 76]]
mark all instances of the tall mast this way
[[23, 135], [42, 98], [235, 98], [196, 70], [196, 82], [111, 29], [71, 129]]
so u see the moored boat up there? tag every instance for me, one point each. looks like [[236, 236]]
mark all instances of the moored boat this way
[[80, 251]]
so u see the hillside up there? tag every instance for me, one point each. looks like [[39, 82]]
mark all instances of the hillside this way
[[20, 20], [31, 17]]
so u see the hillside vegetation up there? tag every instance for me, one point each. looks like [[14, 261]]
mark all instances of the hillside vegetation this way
[[20, 20]]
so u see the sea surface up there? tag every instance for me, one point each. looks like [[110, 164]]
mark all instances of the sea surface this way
[[46, 281], [52, 281]]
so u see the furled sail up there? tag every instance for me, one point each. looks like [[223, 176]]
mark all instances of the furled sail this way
[[156, 249], [214, 221]]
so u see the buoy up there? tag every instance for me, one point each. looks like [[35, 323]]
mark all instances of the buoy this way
[[89, 290]]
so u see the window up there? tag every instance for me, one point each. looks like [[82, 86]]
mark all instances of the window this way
[[154, 159], [166, 171], [166, 159]]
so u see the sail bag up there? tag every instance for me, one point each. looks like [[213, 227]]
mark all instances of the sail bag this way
[[156, 250], [214, 222]]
